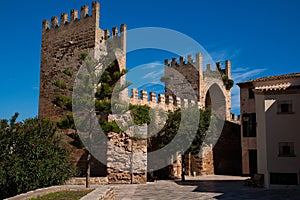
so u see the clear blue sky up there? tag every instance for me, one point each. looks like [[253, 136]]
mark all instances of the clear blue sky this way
[[260, 37]]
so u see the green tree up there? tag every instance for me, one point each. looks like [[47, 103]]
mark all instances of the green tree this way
[[171, 128], [32, 156], [100, 75]]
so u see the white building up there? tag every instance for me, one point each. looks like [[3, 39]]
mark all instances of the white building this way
[[270, 109]]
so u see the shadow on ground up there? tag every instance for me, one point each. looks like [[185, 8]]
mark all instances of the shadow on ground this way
[[235, 189]]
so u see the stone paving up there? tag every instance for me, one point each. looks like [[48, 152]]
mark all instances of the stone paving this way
[[205, 187]]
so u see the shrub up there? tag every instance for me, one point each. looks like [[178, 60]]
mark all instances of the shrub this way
[[60, 84], [63, 101], [32, 156], [83, 55], [110, 127], [140, 114], [66, 122], [228, 82], [103, 106], [68, 72]]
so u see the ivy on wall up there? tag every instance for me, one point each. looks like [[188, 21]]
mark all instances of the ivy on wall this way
[[227, 82]]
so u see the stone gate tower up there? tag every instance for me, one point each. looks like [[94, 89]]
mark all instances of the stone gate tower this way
[[206, 84], [63, 44]]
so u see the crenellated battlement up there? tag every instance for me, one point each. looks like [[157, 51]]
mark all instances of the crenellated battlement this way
[[198, 64], [182, 61], [223, 72], [76, 21], [115, 32], [84, 14], [164, 102]]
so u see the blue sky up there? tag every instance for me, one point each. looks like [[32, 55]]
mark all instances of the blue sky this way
[[260, 37]]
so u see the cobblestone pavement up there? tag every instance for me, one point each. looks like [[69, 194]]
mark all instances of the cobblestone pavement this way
[[207, 187]]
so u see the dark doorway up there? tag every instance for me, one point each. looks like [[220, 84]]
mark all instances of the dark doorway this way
[[253, 161]]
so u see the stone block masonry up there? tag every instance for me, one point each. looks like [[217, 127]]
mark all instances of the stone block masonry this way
[[62, 48], [126, 159], [127, 155]]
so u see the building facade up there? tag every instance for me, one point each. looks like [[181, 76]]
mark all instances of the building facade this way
[[270, 136], [248, 128]]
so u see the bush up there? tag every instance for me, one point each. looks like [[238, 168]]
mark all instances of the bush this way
[[60, 84], [66, 122], [140, 114], [103, 106], [32, 156], [110, 127], [63, 101], [228, 82], [83, 55], [68, 72]]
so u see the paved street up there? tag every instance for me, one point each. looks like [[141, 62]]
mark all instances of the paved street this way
[[207, 187]]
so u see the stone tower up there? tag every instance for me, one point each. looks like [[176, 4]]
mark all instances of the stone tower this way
[[201, 81], [63, 43]]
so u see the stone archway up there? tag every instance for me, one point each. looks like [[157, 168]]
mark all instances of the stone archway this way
[[216, 100]]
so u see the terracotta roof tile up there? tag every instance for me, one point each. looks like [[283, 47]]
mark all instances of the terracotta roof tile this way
[[271, 78]]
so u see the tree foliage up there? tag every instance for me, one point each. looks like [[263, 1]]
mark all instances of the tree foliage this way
[[140, 114], [66, 122], [32, 155], [63, 101], [171, 128]]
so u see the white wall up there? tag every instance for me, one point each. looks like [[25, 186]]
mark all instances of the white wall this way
[[274, 128]]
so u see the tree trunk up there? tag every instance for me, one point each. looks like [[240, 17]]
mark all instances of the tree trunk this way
[[182, 168], [88, 170]]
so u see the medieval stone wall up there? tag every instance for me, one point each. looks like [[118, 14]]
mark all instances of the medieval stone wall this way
[[127, 153], [62, 47], [126, 159]]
